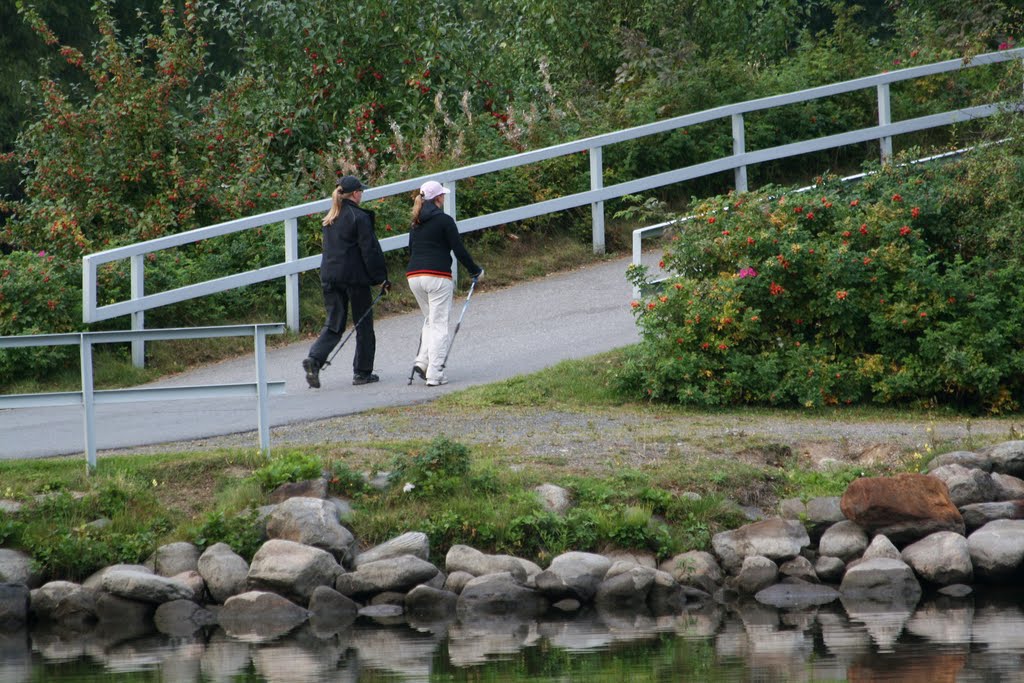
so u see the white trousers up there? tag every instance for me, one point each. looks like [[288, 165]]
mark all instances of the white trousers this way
[[434, 295]]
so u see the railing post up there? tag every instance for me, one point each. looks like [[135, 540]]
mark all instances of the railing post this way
[[449, 208], [291, 282], [88, 405], [739, 146], [138, 287], [597, 208], [638, 252], [884, 119], [262, 407]]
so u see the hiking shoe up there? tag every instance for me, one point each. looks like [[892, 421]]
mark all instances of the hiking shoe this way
[[312, 368], [420, 372], [364, 378], [437, 382]]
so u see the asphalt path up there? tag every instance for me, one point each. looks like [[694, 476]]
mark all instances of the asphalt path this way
[[505, 332]]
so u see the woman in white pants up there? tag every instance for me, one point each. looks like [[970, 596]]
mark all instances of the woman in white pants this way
[[433, 238]]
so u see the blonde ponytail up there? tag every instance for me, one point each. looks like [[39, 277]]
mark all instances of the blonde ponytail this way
[[417, 206], [337, 196]]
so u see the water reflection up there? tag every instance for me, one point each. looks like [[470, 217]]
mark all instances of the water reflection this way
[[977, 638]]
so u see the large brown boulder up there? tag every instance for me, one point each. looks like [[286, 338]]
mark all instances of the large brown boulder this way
[[904, 508]]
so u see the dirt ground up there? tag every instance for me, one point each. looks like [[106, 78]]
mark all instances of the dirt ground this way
[[597, 439]]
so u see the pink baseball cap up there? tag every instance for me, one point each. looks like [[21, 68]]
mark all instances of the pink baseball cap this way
[[433, 189]]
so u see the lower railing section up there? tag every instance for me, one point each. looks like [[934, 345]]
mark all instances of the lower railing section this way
[[88, 397]]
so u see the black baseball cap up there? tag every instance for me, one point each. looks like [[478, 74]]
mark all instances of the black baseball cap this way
[[349, 183]]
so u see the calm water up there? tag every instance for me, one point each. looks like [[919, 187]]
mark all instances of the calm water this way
[[980, 638]]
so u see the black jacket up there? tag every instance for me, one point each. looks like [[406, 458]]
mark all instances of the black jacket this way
[[352, 254], [431, 242]]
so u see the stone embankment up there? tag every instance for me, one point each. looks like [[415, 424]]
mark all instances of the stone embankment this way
[[878, 546]]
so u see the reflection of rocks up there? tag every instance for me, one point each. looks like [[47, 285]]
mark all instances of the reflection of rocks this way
[[943, 621], [297, 660], [15, 657], [403, 652], [884, 621], [999, 628], [935, 668], [224, 658]]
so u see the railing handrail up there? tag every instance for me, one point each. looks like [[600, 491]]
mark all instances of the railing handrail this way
[[596, 196], [583, 144], [88, 397]]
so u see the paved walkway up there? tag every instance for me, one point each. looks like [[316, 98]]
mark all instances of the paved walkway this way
[[505, 333]]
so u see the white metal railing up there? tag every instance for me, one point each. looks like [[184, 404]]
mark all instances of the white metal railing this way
[[292, 266], [88, 397]]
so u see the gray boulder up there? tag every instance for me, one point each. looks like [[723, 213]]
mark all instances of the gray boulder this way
[[573, 575], [95, 580], [499, 595], [965, 458], [413, 543], [175, 558], [1008, 487], [881, 580], [431, 604], [456, 581], [396, 574], [777, 539], [941, 559], [1006, 457], [979, 514], [472, 561], [796, 595], [966, 485], [829, 569], [553, 498], [330, 610], [313, 522], [142, 587], [799, 568], [258, 616], [224, 571], [997, 549], [292, 569], [63, 601], [181, 618], [881, 547], [15, 599], [695, 568], [16, 567], [845, 540], [755, 574], [626, 591]]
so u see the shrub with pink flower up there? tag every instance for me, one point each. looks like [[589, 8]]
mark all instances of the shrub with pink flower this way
[[853, 307]]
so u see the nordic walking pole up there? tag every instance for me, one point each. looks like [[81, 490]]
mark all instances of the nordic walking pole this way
[[373, 303], [459, 323], [412, 373]]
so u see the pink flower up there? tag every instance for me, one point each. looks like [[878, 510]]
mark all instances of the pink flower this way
[[746, 272], [42, 253]]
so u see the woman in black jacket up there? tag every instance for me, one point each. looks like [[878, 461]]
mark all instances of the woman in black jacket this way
[[432, 240], [352, 261]]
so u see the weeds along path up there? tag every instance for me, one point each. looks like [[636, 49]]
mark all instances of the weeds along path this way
[[506, 332]]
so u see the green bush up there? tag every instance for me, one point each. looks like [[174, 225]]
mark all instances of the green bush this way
[[241, 531], [895, 290], [438, 467], [289, 466]]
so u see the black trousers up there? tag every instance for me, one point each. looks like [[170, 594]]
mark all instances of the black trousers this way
[[337, 299]]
